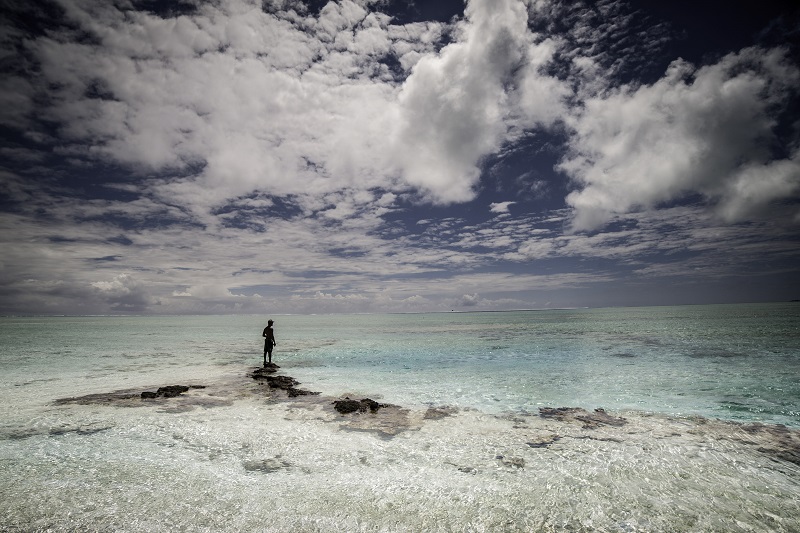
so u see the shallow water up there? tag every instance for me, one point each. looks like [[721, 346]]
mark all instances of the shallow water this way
[[694, 385]]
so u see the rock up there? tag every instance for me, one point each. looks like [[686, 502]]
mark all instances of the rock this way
[[516, 462], [776, 440], [590, 420], [437, 413], [266, 370], [544, 443], [293, 392], [266, 466], [347, 405], [286, 383], [281, 382], [170, 391]]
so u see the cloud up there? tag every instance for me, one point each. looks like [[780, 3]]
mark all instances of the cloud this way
[[124, 293], [236, 156], [705, 130], [469, 300], [500, 207], [230, 100], [478, 93]]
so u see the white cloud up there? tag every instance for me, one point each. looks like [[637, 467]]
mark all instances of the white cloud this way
[[454, 106], [469, 300], [500, 207], [296, 105], [124, 293], [637, 147]]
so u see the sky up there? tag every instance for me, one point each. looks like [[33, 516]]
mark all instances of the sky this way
[[368, 156]]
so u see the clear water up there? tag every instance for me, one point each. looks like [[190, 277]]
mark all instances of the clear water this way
[[238, 459]]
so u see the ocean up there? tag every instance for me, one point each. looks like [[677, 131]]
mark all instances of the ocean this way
[[680, 419]]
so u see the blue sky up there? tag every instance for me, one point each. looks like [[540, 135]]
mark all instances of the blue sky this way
[[396, 156]]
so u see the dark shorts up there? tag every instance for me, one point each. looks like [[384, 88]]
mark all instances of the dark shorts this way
[[267, 346]]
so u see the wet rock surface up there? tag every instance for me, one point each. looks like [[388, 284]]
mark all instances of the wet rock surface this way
[[347, 405], [284, 383], [264, 371], [170, 391]]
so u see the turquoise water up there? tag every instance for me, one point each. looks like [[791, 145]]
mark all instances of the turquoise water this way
[[733, 362], [738, 362], [236, 458]]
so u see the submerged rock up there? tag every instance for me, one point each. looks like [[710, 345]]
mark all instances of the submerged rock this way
[[266, 466], [128, 397], [590, 420], [170, 391], [774, 440], [437, 413]]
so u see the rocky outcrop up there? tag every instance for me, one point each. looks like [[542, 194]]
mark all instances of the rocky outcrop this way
[[266, 370], [285, 383], [347, 405]]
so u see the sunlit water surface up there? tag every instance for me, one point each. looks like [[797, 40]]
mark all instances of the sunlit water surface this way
[[691, 383]]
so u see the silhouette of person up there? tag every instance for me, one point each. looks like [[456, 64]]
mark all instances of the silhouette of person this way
[[269, 341]]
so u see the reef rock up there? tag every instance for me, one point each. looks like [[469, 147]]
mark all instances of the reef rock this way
[[347, 405], [170, 391], [285, 383], [269, 368], [590, 420]]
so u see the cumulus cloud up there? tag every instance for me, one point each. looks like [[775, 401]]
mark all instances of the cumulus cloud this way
[[706, 130], [124, 293], [290, 104], [477, 94], [469, 300]]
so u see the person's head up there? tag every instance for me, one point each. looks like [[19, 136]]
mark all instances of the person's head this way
[[269, 322]]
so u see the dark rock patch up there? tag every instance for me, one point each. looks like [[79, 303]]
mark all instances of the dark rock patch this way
[[347, 406], [281, 382], [170, 391], [285, 383], [295, 392], [265, 466], [106, 397], [590, 420], [545, 442], [775, 440], [437, 413], [266, 370], [516, 462]]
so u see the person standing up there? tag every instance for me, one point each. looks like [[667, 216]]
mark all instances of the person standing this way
[[269, 341]]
